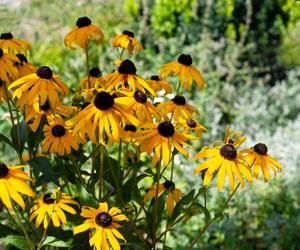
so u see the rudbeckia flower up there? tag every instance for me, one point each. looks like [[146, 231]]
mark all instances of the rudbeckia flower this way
[[178, 108], [174, 194], [157, 84], [102, 117], [84, 32], [58, 137], [42, 84], [190, 125], [161, 138], [258, 158], [24, 67], [52, 205], [10, 44], [224, 159], [184, 70], [127, 41], [94, 76], [8, 72], [126, 75], [12, 182], [2, 91], [103, 223], [129, 133]]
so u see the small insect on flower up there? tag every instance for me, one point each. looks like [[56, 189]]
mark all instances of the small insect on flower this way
[[127, 41], [184, 70], [8, 71], [83, 33], [52, 206], [103, 223], [24, 67], [12, 182], [157, 84], [258, 158], [224, 159], [173, 197], [10, 44]]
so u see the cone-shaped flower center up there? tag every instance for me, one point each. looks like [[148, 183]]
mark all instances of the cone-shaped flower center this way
[[191, 123], [128, 33], [140, 97], [6, 36], [83, 106], [127, 67], [228, 151], [130, 127], [22, 58], [95, 72], [179, 100], [104, 100], [185, 59], [48, 198], [166, 129], [155, 78], [83, 22], [58, 130], [169, 185], [44, 72], [261, 149], [103, 219], [1, 52], [3, 170], [45, 106]]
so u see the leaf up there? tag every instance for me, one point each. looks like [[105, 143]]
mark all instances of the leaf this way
[[14, 240], [5, 230], [52, 241], [4, 139], [197, 207], [179, 206]]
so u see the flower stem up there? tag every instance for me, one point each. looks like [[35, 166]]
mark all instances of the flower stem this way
[[155, 217], [120, 153], [101, 173], [87, 65]]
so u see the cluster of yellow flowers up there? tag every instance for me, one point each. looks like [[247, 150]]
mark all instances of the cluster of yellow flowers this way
[[117, 107]]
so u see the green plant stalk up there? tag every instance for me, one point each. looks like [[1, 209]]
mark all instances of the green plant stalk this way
[[155, 218], [172, 165], [101, 173], [120, 153], [87, 65]]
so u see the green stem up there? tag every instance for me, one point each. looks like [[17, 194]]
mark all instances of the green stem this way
[[101, 173], [172, 166], [178, 88], [155, 218], [120, 153], [122, 53], [87, 65]]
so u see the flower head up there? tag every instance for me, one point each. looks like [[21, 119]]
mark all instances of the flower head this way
[[8, 71], [127, 41], [157, 84], [24, 67], [10, 44]]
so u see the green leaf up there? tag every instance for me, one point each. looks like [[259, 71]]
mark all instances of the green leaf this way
[[5, 230], [14, 240], [4, 139], [52, 241], [196, 208], [180, 205]]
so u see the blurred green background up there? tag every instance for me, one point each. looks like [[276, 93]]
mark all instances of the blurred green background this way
[[248, 52]]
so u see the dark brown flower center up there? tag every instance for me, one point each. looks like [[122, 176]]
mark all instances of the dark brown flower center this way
[[128, 33], [83, 106], [261, 148], [228, 151], [83, 22], [45, 106], [58, 130], [1, 82], [179, 100], [1, 52], [103, 219], [95, 72], [127, 67], [104, 100], [169, 185], [6, 36], [166, 129], [191, 123], [185, 59], [130, 127], [155, 78], [22, 58], [48, 199], [3, 170], [44, 72], [140, 97]]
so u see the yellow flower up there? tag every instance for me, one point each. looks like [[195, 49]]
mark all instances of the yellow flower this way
[[8, 71], [10, 44], [102, 118], [173, 197], [12, 182], [129, 133], [190, 125], [84, 32], [224, 159], [2, 91], [157, 84], [42, 84], [91, 81], [259, 159], [52, 205], [58, 138], [126, 76], [184, 70], [127, 41], [24, 67], [178, 108], [103, 223]]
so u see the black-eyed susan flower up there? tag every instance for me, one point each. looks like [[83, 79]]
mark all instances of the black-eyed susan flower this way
[[101, 119], [157, 84], [103, 224], [224, 159], [2, 91], [161, 138], [127, 41], [90, 82], [10, 44], [258, 158], [24, 67], [126, 76], [138, 104], [178, 108], [8, 71], [42, 84], [129, 132], [173, 197], [12, 182], [184, 70], [52, 205], [58, 137], [191, 125], [84, 32]]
